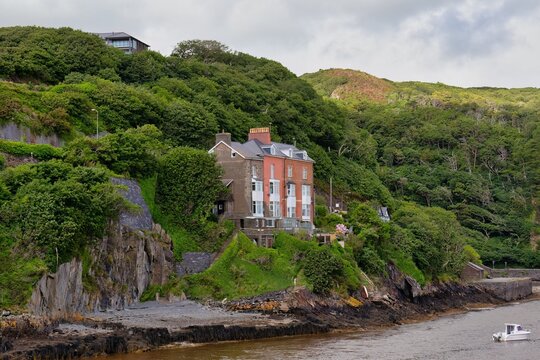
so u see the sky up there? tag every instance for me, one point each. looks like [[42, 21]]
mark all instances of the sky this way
[[457, 42]]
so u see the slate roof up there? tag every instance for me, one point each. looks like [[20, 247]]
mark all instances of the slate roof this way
[[254, 149]]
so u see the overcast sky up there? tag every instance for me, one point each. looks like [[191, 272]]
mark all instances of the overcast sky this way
[[458, 42]]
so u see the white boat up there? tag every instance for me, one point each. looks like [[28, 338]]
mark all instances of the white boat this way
[[513, 332]]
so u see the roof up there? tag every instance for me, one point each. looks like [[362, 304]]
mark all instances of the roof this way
[[256, 149], [118, 35], [474, 266], [227, 182]]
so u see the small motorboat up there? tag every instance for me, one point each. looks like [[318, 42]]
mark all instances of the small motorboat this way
[[513, 332]]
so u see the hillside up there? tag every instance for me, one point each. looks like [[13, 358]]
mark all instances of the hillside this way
[[456, 167], [472, 151]]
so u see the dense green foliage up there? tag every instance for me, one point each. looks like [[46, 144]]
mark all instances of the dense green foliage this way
[[245, 269], [188, 184], [456, 167], [38, 151], [471, 151], [49, 213], [33, 53], [133, 152]]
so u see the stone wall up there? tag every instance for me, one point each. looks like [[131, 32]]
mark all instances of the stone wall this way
[[508, 289], [12, 131], [534, 274]]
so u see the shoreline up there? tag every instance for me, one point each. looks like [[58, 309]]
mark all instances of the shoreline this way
[[153, 325]]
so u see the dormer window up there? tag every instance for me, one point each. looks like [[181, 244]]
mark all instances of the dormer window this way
[[270, 149]]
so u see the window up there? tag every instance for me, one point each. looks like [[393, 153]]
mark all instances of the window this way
[[304, 173], [306, 191], [306, 211], [254, 171], [289, 171], [270, 223], [256, 186], [233, 154], [274, 188], [257, 208], [274, 209], [291, 190], [291, 211], [272, 170], [121, 43]]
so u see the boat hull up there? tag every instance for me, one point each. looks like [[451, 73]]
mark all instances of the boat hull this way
[[511, 337]]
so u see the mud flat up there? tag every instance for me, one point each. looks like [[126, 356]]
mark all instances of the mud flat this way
[[152, 325]]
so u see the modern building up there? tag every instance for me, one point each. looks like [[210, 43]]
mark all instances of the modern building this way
[[271, 185], [124, 42]]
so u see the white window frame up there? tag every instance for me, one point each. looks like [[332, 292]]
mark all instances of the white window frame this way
[[256, 185], [275, 208], [272, 171], [291, 189], [257, 208], [306, 211], [291, 211], [304, 173], [290, 171]]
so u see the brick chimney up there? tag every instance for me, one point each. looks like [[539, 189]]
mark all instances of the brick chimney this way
[[261, 134], [225, 137]]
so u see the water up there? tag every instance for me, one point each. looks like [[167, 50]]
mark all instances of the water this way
[[464, 336]]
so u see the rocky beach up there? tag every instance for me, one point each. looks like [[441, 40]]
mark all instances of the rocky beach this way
[[151, 325]]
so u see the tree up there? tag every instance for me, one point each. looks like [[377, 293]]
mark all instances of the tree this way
[[189, 124], [204, 50], [188, 184]]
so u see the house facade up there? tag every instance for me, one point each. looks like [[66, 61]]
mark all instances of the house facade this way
[[123, 41], [271, 185]]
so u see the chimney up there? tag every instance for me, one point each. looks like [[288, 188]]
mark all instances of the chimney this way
[[261, 134], [225, 137]]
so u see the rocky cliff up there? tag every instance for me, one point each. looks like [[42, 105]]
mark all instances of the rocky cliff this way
[[134, 254]]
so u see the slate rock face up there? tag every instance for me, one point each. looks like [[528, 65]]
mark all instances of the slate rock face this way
[[134, 254], [194, 262], [137, 219]]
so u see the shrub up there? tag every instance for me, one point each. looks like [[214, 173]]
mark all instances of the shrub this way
[[322, 268], [39, 151]]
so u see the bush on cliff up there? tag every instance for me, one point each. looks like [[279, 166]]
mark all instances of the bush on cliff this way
[[322, 268], [133, 152], [54, 210]]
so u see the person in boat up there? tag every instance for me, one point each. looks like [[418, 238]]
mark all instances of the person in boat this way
[[519, 328]]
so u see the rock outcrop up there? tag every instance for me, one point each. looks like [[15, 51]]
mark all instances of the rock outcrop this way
[[134, 254]]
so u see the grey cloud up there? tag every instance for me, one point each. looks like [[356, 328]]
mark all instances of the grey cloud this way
[[397, 39], [480, 34]]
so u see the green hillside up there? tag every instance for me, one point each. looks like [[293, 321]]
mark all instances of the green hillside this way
[[473, 151], [454, 166]]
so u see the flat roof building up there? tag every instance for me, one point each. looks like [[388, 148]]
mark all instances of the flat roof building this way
[[124, 42]]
